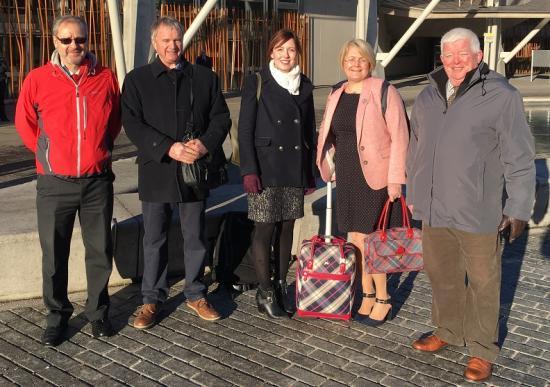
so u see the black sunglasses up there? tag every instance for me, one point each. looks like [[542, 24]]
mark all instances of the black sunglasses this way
[[68, 41]]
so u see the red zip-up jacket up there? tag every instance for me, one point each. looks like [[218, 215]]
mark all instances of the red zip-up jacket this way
[[70, 126]]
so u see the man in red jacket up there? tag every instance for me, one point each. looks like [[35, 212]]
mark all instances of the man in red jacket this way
[[68, 114]]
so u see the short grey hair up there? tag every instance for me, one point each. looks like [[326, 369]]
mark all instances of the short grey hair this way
[[166, 21], [69, 19], [461, 33]]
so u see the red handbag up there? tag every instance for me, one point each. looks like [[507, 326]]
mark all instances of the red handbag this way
[[394, 250]]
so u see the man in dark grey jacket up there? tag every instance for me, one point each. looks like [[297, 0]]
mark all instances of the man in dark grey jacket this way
[[469, 140]]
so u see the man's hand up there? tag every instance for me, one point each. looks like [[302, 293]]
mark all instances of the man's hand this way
[[516, 227], [177, 151], [198, 147], [394, 191], [187, 152]]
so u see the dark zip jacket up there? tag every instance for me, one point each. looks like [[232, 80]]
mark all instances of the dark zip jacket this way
[[462, 156]]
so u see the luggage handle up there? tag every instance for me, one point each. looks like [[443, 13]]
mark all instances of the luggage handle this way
[[383, 221], [320, 239], [328, 216]]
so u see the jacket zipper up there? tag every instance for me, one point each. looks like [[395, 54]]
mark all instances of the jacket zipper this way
[[79, 139], [85, 109]]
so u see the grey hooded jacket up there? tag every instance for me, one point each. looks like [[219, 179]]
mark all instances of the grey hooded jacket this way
[[461, 156]]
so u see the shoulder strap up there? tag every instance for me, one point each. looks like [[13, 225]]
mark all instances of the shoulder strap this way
[[191, 120], [384, 96], [258, 86], [336, 86]]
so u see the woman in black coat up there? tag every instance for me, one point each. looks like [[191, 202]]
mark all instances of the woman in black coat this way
[[276, 143]]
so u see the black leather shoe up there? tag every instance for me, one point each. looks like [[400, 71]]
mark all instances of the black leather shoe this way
[[53, 336], [285, 302], [102, 328], [267, 303]]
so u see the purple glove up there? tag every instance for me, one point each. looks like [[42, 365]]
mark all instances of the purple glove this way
[[311, 186], [252, 184]]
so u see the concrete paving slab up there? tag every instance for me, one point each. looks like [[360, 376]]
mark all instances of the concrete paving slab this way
[[246, 348]]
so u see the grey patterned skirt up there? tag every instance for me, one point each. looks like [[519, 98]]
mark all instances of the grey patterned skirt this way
[[275, 204]]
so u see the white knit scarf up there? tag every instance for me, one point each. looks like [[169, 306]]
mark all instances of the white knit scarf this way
[[289, 81]]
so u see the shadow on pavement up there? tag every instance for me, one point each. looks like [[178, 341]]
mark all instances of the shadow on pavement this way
[[512, 260]]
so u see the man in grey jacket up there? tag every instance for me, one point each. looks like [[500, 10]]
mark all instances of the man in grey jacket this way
[[469, 142]]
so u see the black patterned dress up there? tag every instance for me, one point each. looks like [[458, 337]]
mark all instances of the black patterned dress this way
[[358, 206]]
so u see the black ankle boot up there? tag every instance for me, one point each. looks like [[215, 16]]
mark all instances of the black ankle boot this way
[[286, 303], [267, 303]]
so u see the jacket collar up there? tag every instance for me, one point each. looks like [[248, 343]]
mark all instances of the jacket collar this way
[[438, 79], [158, 68], [88, 65], [366, 92]]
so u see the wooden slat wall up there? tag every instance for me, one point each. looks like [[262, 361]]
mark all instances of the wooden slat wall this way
[[25, 33], [236, 40]]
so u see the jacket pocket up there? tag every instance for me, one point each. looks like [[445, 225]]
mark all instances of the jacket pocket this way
[[481, 182], [262, 141], [384, 152], [43, 153]]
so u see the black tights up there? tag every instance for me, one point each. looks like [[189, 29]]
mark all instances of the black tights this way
[[280, 235]]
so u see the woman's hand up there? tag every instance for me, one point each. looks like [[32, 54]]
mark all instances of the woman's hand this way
[[252, 183], [394, 191]]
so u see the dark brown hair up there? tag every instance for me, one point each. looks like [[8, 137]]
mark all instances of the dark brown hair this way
[[281, 37]]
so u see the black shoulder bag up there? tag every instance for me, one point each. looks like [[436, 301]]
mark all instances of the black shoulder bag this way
[[207, 172]]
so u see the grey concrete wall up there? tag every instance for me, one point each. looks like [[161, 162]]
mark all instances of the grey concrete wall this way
[[327, 37]]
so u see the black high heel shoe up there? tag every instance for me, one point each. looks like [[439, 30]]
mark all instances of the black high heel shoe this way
[[375, 323], [285, 302], [360, 316], [267, 303]]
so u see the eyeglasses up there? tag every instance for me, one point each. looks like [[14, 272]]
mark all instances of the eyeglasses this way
[[353, 59], [67, 41]]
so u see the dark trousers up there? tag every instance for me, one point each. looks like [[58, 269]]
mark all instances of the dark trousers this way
[[156, 221], [464, 270], [58, 201]]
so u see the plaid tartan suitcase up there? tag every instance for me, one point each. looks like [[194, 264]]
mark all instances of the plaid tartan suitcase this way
[[325, 274]]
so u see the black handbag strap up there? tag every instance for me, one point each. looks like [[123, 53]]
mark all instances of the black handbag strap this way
[[189, 125]]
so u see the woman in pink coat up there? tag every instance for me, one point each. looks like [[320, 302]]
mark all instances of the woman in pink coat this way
[[368, 150]]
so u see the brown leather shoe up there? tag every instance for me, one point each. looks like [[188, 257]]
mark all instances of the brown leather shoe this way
[[431, 343], [146, 316], [204, 310], [478, 370]]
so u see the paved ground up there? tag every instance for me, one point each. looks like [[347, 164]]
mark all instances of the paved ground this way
[[247, 349]]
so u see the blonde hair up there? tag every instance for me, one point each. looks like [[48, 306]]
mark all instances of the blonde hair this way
[[364, 48]]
